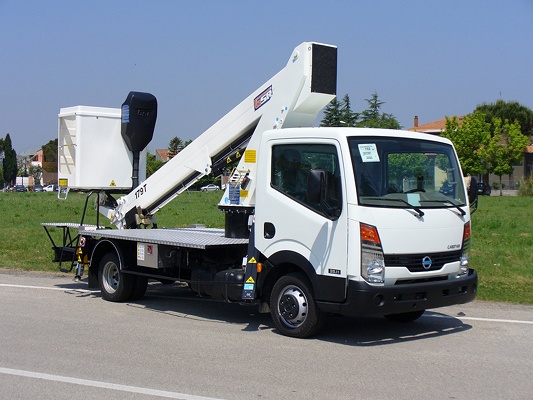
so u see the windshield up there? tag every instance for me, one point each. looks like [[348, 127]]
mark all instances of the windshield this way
[[406, 173]]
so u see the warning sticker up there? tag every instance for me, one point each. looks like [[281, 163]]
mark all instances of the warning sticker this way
[[369, 152], [112, 183], [250, 156], [140, 252], [252, 261], [250, 280]]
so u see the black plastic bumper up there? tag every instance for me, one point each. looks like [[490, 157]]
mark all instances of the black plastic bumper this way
[[363, 299]]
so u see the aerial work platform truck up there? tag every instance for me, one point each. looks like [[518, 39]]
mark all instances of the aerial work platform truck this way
[[318, 221]]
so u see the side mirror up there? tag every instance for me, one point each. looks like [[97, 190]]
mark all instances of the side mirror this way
[[472, 195]]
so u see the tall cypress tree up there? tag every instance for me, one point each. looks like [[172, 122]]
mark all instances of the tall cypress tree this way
[[2, 181], [10, 161]]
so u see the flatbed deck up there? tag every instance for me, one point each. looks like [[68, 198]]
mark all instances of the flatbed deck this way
[[198, 238]]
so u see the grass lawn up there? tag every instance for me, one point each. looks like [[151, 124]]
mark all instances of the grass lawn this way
[[502, 235], [502, 248]]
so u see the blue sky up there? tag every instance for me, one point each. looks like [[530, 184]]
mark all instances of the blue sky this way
[[201, 58]]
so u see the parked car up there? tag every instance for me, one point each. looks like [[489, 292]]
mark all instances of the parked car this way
[[20, 188], [38, 188], [50, 188], [209, 188], [483, 189]]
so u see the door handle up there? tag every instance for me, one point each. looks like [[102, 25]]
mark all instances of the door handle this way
[[269, 230]]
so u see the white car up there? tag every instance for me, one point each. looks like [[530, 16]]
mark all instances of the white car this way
[[50, 188], [209, 188]]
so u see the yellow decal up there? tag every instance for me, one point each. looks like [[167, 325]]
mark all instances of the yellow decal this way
[[252, 261], [250, 280], [112, 183], [243, 193], [63, 182], [250, 156]]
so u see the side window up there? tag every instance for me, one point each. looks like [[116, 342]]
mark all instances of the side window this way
[[291, 165]]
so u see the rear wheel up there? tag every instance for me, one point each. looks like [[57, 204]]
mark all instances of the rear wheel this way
[[114, 284], [405, 317], [293, 307], [139, 287]]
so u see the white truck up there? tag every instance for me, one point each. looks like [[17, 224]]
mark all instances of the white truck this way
[[318, 220]]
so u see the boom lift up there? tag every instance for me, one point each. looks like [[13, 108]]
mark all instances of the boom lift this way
[[346, 221]]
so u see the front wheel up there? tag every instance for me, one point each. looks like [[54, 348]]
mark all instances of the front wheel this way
[[293, 307], [114, 284]]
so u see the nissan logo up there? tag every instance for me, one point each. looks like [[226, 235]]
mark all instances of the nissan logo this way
[[426, 262]]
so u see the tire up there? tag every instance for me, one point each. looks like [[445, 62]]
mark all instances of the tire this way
[[140, 285], [293, 307], [405, 317], [114, 284]]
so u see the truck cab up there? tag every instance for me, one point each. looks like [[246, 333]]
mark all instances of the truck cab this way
[[365, 221]]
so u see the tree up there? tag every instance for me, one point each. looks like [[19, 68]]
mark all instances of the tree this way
[[175, 146], [372, 117], [2, 182], [339, 113], [50, 151], [152, 164], [332, 114], [10, 161], [37, 172], [511, 111], [505, 148], [470, 139], [348, 117]]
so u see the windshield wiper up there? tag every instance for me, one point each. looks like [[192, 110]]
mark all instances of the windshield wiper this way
[[419, 212], [446, 201]]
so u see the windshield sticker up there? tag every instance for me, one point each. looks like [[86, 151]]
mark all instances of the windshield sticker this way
[[369, 152], [413, 199]]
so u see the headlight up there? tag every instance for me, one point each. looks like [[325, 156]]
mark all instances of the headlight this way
[[463, 265], [372, 259]]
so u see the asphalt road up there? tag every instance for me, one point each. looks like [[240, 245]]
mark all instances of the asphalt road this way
[[58, 340]]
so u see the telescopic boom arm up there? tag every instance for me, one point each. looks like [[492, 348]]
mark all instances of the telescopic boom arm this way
[[291, 98]]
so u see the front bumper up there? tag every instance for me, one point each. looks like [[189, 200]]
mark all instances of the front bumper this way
[[363, 299]]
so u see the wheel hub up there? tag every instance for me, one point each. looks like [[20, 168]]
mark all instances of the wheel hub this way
[[111, 277], [292, 305]]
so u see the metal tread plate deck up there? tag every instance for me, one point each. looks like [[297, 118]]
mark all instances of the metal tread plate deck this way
[[68, 225], [198, 238]]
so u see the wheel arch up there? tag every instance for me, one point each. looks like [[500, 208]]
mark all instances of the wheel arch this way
[[325, 288], [103, 247], [285, 262]]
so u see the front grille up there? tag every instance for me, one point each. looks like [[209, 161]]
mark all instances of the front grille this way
[[413, 262]]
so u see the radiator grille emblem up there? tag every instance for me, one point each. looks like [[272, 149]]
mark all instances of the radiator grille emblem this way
[[427, 262]]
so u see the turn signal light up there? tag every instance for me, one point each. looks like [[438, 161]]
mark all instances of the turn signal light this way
[[369, 234]]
